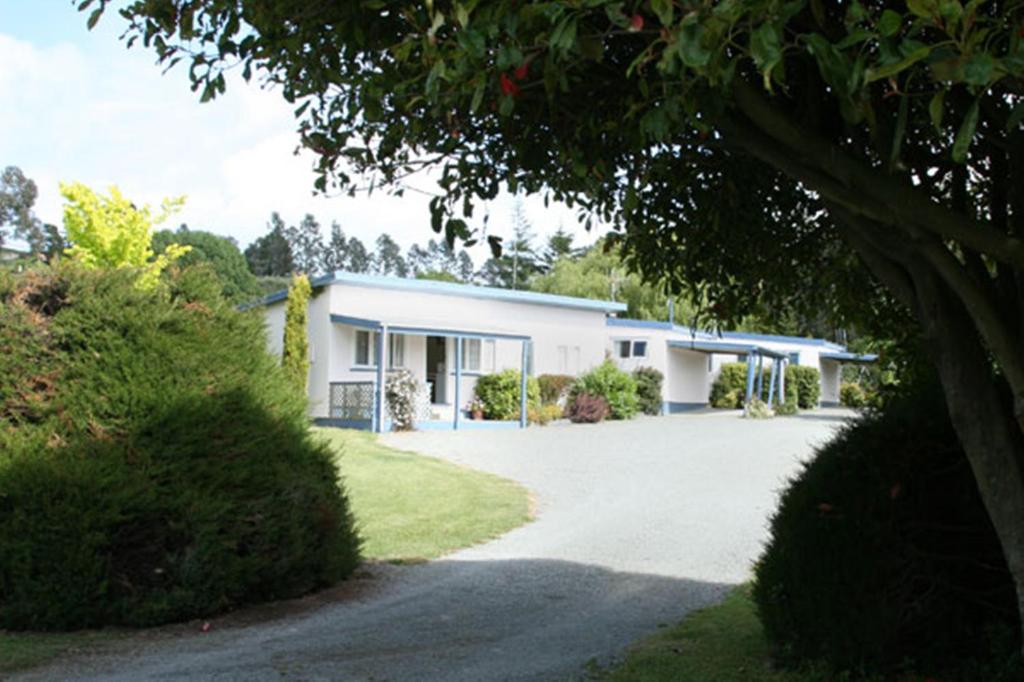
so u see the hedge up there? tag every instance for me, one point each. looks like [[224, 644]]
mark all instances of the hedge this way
[[648, 389], [500, 394], [618, 389], [155, 463]]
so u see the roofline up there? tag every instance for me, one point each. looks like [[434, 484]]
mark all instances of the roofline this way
[[451, 289], [850, 357], [749, 336], [696, 334], [399, 328]]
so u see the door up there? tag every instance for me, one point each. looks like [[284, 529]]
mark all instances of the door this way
[[437, 369]]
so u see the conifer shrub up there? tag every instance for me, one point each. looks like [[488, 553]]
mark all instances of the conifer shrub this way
[[295, 354], [616, 387], [806, 383], [648, 389], [553, 387], [155, 464], [586, 408], [881, 551], [500, 394]]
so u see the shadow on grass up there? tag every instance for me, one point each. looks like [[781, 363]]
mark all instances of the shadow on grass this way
[[446, 620]]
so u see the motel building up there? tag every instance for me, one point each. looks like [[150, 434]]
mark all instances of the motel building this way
[[447, 335]]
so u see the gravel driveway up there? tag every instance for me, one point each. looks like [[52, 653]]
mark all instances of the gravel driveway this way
[[637, 523]]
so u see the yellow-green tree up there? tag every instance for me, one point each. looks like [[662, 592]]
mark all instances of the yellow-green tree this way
[[295, 358], [111, 232]]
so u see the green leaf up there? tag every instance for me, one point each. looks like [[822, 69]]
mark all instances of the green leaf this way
[[664, 9], [901, 129], [926, 9], [890, 23], [874, 74], [691, 46], [766, 48], [94, 17], [935, 109], [478, 96], [978, 69], [965, 135]]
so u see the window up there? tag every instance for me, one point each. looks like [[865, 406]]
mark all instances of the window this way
[[471, 352], [568, 359], [622, 349], [366, 349], [639, 349], [630, 348]]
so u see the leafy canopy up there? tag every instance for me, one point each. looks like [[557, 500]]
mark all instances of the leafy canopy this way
[[110, 232]]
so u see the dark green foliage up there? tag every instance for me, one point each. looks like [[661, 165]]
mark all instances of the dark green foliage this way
[[585, 408], [500, 394], [616, 387], [154, 463], [852, 395], [271, 255], [221, 253], [648, 389], [730, 386], [881, 550], [553, 387], [806, 381]]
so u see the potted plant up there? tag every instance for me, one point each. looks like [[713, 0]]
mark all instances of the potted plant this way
[[475, 408]]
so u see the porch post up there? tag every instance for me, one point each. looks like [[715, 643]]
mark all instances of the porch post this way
[[782, 382], [522, 386], [760, 375], [750, 377], [458, 382], [378, 395], [771, 381]]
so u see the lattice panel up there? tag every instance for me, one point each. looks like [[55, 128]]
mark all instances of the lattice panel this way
[[352, 400]]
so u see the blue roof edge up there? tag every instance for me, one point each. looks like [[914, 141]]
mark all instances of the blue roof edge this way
[[449, 289], [739, 336]]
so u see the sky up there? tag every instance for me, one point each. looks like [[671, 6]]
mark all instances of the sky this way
[[76, 105]]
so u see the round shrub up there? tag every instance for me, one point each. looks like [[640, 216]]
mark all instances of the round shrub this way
[[881, 551], [648, 389], [616, 387], [155, 463], [500, 394], [553, 387], [806, 382], [852, 395], [585, 408]]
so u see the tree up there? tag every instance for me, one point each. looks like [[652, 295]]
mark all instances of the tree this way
[[358, 259], [600, 273], [307, 245], [518, 261], [271, 255], [336, 250], [559, 246], [17, 197], [295, 356], [440, 257], [110, 232], [221, 253], [388, 260], [885, 136]]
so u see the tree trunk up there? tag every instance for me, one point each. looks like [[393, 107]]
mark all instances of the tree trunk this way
[[983, 419]]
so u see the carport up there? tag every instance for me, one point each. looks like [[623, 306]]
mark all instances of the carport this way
[[755, 355]]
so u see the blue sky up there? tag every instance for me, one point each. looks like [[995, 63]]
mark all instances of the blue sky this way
[[77, 105]]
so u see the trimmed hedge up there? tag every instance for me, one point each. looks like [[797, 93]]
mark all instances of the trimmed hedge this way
[[805, 382], [852, 395], [617, 388], [500, 394], [554, 387], [648, 389], [155, 463], [730, 386], [881, 550]]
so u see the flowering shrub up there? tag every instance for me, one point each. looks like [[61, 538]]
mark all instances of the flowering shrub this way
[[400, 392], [586, 408]]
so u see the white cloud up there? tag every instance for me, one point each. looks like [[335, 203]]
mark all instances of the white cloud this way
[[110, 117]]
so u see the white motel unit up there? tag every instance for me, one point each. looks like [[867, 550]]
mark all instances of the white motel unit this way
[[362, 326]]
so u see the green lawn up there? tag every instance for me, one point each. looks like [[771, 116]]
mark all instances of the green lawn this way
[[407, 507], [722, 643]]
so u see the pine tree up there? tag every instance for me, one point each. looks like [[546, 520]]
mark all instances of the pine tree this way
[[295, 358]]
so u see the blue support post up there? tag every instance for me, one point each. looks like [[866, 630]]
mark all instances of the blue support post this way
[[378, 394], [760, 375], [771, 381], [782, 381], [522, 386], [750, 378], [458, 382]]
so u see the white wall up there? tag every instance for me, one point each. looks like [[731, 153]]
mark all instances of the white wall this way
[[689, 380], [830, 378]]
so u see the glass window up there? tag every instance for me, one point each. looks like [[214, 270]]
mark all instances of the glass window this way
[[622, 349], [362, 347], [471, 352], [639, 349], [396, 350], [490, 355]]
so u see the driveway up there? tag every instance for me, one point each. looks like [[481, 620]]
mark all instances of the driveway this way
[[637, 523]]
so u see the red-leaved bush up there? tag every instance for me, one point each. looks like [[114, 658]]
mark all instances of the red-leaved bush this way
[[587, 409]]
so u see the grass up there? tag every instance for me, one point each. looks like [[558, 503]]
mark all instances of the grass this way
[[408, 508], [412, 508], [723, 643]]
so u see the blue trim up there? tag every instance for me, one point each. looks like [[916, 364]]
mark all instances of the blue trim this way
[[707, 346], [641, 324], [362, 323], [433, 331], [829, 403], [360, 424], [522, 386], [849, 357], [783, 339], [670, 407], [452, 289], [458, 383]]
